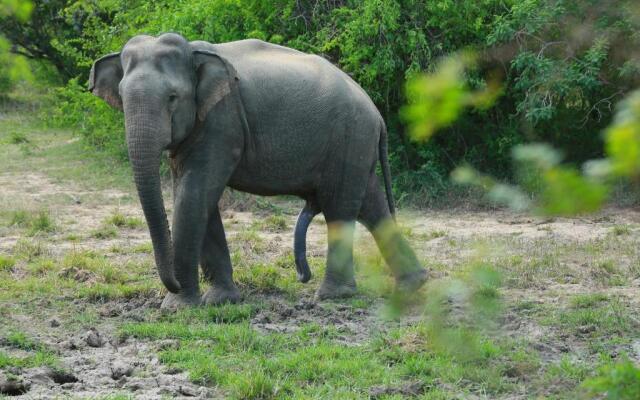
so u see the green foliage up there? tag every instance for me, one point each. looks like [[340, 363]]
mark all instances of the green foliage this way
[[100, 125], [20, 9], [562, 64], [563, 190], [12, 66], [559, 190], [620, 381]]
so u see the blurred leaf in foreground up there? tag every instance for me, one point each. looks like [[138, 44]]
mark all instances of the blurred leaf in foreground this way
[[622, 138], [558, 190], [566, 192], [620, 381], [437, 99], [499, 193], [21, 9], [13, 67]]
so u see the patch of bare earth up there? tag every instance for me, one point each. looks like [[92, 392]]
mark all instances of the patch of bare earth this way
[[103, 363]]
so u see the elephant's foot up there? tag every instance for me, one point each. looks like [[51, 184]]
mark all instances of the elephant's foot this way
[[173, 301], [221, 294], [335, 290], [412, 281]]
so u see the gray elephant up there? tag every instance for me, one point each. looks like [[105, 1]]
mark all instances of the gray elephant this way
[[259, 118]]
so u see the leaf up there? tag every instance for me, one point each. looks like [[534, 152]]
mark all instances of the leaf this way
[[622, 139], [566, 192]]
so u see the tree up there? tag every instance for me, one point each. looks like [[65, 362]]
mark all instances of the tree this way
[[52, 33]]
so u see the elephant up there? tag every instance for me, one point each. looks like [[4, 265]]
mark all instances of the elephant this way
[[260, 118]]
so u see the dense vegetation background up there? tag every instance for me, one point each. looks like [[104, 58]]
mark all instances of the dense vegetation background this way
[[563, 64]]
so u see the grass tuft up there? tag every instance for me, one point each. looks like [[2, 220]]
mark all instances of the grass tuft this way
[[41, 223], [105, 232], [272, 223], [7, 263], [120, 220], [29, 250], [16, 137], [620, 230]]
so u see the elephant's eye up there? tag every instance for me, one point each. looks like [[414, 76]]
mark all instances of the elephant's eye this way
[[173, 98]]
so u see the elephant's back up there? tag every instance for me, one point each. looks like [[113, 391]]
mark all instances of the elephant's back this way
[[278, 75], [297, 106]]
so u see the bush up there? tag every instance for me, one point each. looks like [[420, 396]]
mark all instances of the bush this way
[[562, 62], [100, 125]]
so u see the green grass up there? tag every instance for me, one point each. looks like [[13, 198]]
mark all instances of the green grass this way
[[620, 230], [17, 137], [116, 396], [588, 300], [119, 220], [29, 249], [79, 274], [101, 292], [251, 241], [111, 224], [311, 362], [42, 222], [35, 223], [143, 248], [6, 263], [453, 345], [20, 340], [223, 314], [105, 232], [265, 278], [272, 223], [94, 263], [37, 353], [19, 218], [35, 359], [594, 316], [62, 157]]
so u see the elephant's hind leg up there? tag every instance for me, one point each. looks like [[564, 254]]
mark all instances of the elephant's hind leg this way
[[340, 212], [216, 264], [339, 280], [397, 252]]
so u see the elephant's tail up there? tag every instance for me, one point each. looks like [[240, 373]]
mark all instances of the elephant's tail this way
[[384, 165], [300, 240]]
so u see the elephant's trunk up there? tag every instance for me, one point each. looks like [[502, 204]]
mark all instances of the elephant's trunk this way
[[144, 133]]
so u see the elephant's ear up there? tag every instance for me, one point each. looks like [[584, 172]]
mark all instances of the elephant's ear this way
[[106, 74], [215, 76]]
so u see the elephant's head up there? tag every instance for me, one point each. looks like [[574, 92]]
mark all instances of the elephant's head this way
[[164, 86]]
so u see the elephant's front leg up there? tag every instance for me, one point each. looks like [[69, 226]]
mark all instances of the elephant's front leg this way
[[216, 264], [189, 226]]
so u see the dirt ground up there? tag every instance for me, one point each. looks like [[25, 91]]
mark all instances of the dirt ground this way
[[546, 261]]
